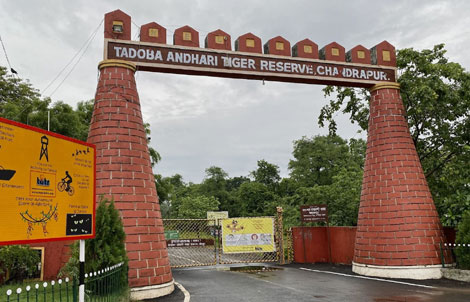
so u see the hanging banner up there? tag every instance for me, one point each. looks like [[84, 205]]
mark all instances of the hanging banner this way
[[247, 235], [47, 185]]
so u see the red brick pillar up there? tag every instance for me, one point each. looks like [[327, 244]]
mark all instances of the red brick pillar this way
[[124, 173], [398, 231]]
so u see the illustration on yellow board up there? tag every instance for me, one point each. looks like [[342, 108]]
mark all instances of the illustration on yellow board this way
[[44, 143], [64, 184], [53, 213], [6, 174], [234, 226]]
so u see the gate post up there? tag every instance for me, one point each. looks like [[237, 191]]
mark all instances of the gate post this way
[[280, 233], [398, 230], [124, 173]]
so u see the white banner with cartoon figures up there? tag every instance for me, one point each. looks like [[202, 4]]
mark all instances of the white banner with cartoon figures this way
[[248, 235]]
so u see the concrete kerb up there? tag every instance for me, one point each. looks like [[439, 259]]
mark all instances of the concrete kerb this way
[[456, 274]]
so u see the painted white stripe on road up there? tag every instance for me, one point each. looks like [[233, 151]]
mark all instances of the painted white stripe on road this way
[[367, 278], [187, 296]]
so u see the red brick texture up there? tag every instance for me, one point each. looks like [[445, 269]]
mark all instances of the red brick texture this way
[[123, 172], [398, 224]]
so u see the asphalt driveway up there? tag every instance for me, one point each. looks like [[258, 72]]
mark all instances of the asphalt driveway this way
[[307, 283]]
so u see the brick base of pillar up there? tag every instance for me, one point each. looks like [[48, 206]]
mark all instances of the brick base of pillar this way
[[399, 231], [124, 174]]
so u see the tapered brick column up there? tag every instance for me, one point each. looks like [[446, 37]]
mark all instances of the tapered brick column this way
[[124, 173], [399, 231]]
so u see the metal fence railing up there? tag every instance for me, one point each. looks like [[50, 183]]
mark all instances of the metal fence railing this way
[[60, 290], [191, 242], [104, 285], [448, 255]]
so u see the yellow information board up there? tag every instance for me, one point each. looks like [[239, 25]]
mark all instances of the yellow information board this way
[[248, 235], [47, 186]]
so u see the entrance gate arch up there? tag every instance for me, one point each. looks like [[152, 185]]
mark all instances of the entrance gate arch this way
[[398, 232]]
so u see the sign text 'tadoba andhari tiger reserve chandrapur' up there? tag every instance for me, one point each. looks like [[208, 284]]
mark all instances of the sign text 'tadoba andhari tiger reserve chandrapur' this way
[[47, 186]]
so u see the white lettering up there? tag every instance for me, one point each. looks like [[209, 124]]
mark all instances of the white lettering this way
[[251, 63], [264, 65], [194, 58], [355, 73], [321, 70], [279, 67], [141, 53], [186, 58], [150, 54], [363, 75], [158, 55], [383, 76], [227, 62], [178, 57], [124, 53], [210, 60], [347, 73], [203, 60], [117, 49], [272, 66], [170, 57], [243, 63], [132, 53]]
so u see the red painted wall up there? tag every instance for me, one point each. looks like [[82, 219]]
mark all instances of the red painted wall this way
[[311, 244], [56, 254]]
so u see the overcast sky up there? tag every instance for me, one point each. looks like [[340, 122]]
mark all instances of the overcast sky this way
[[198, 122]]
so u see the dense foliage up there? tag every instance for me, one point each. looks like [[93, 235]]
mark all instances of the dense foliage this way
[[463, 237], [325, 170], [17, 263]]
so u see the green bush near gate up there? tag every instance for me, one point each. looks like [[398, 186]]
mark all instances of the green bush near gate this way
[[17, 263], [463, 237], [106, 249]]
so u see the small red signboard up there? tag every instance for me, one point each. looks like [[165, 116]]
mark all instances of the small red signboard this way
[[314, 213]]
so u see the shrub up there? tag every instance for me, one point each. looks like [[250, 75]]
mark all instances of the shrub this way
[[463, 236], [106, 249], [17, 263]]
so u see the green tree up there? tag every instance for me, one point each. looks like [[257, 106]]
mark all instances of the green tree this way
[[436, 97], [267, 174], [318, 159], [463, 237], [17, 263], [197, 206], [17, 97], [255, 199], [155, 157], [215, 184]]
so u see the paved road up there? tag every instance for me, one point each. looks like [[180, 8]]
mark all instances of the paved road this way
[[293, 283]]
